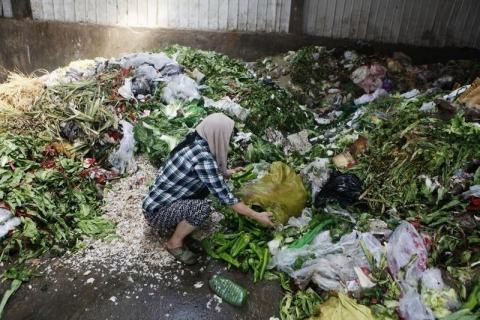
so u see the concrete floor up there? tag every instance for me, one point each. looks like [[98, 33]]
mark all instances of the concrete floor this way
[[67, 294]]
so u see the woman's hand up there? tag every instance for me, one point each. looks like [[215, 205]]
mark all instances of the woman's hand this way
[[264, 218], [231, 172]]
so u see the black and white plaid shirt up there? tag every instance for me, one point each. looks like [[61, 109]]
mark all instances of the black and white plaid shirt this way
[[188, 171]]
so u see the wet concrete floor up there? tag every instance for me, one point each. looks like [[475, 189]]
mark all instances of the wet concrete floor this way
[[175, 292]]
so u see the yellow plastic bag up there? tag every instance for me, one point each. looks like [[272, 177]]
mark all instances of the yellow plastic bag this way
[[341, 308], [281, 192]]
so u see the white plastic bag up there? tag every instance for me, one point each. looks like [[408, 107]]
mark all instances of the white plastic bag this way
[[122, 159], [180, 87]]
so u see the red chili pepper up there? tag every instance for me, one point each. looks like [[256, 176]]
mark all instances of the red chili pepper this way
[[474, 205], [48, 164], [100, 179], [4, 205], [416, 222], [115, 134], [50, 151]]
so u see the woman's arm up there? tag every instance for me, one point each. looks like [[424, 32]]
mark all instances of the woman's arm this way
[[262, 217]]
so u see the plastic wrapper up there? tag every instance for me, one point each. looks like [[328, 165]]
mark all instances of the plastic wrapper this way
[[281, 192], [342, 308], [123, 159]]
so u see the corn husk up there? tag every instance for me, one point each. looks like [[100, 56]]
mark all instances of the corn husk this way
[[20, 92]]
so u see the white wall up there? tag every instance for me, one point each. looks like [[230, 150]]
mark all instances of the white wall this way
[[216, 15], [418, 22], [6, 8]]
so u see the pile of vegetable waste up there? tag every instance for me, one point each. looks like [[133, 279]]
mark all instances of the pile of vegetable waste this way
[[403, 164]]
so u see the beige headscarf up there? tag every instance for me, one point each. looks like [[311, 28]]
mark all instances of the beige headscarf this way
[[217, 129]]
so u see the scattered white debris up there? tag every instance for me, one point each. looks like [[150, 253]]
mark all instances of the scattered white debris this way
[[90, 281], [219, 301], [113, 299], [198, 284], [87, 273], [138, 248]]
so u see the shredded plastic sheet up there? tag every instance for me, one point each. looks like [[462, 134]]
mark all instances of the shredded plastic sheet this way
[[281, 191], [123, 159], [342, 308]]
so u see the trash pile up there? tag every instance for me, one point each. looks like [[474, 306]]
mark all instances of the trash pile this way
[[369, 163]]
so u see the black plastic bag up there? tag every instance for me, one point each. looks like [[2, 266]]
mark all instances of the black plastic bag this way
[[340, 187]]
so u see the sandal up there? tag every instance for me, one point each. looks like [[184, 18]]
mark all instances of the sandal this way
[[183, 255]]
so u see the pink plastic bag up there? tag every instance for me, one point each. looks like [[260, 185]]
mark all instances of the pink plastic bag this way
[[406, 244]]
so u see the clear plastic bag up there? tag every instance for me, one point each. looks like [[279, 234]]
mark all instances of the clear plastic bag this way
[[123, 159], [436, 295], [332, 267], [412, 307]]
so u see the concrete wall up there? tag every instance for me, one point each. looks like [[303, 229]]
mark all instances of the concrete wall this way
[[6, 8], [211, 15], [434, 23], [28, 45]]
